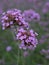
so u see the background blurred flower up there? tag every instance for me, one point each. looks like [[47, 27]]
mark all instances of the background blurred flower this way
[[8, 48], [30, 15], [25, 53]]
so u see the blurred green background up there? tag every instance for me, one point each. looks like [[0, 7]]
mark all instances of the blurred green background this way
[[15, 57]]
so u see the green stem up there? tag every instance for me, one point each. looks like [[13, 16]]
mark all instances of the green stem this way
[[22, 57], [14, 30], [18, 58]]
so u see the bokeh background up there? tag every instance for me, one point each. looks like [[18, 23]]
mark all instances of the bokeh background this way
[[40, 56]]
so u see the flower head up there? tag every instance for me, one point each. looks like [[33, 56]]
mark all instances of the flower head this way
[[27, 38], [12, 17], [30, 15]]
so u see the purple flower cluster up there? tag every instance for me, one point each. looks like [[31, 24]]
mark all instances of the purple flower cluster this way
[[30, 15], [46, 8], [13, 17], [27, 38]]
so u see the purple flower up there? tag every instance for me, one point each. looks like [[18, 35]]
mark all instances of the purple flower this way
[[27, 38], [37, 17], [30, 15], [22, 46], [45, 52], [8, 48], [46, 8], [12, 17]]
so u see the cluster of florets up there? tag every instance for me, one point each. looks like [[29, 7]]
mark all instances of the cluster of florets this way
[[12, 17], [30, 15], [27, 38], [16, 18]]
